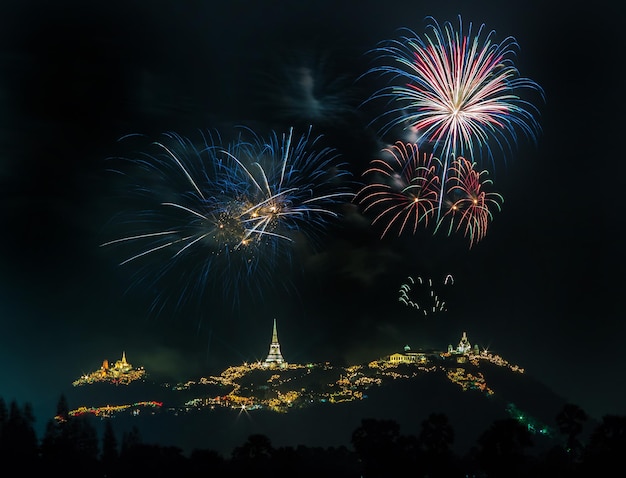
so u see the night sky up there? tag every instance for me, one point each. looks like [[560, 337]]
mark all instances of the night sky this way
[[543, 289]]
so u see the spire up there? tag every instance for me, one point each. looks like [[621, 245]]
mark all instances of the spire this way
[[274, 356], [274, 333]]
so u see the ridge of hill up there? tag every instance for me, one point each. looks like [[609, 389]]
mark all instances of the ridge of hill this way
[[321, 405]]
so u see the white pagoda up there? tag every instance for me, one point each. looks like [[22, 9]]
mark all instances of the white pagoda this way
[[274, 357]]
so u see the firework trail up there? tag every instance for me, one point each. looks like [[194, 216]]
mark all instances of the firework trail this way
[[226, 216], [456, 91], [421, 295]]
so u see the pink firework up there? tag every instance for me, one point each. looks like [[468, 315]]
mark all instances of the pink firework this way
[[458, 91], [467, 206], [404, 191]]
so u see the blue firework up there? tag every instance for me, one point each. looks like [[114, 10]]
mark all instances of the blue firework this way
[[226, 217]]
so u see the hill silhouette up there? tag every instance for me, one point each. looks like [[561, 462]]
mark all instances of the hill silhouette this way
[[329, 403]]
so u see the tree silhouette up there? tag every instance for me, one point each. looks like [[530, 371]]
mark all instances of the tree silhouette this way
[[152, 460], [607, 445], [206, 462], [19, 446], [69, 448], [437, 435], [63, 409], [313, 462], [70, 443], [502, 449], [4, 416], [257, 447], [570, 421], [435, 441], [254, 455], [377, 444], [130, 439], [110, 454]]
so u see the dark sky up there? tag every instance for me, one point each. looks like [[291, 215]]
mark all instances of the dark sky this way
[[543, 289]]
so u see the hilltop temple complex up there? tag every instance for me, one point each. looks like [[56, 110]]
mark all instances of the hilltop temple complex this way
[[464, 352], [464, 346], [460, 354], [279, 386], [121, 372]]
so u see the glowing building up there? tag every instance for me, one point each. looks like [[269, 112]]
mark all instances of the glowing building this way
[[464, 346], [409, 357], [274, 357], [121, 372]]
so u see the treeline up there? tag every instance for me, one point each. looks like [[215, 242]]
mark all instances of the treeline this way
[[71, 447]]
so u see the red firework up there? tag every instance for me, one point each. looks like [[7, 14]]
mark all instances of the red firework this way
[[405, 188], [467, 206]]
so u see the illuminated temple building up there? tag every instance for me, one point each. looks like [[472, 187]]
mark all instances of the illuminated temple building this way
[[120, 366], [121, 372], [464, 346], [274, 357], [408, 356], [422, 357]]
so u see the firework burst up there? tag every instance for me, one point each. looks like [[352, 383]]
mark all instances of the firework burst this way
[[467, 203], [226, 216], [403, 193], [403, 189], [457, 91]]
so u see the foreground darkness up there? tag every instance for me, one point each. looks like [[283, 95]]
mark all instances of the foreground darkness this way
[[71, 446]]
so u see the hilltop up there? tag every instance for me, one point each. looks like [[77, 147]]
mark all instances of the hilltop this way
[[321, 404]]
